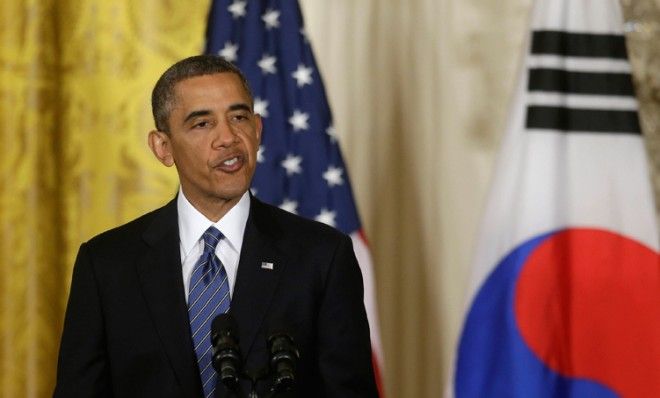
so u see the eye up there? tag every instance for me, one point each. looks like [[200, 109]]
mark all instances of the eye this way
[[201, 124], [239, 117]]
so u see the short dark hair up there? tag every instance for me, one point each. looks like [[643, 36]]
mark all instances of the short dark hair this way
[[162, 96]]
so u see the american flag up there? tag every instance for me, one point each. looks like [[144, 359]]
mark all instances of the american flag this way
[[300, 167]]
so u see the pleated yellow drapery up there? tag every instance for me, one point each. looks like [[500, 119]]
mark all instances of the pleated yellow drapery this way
[[75, 83]]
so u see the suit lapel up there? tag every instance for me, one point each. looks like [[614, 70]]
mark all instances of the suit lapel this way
[[161, 280], [260, 267]]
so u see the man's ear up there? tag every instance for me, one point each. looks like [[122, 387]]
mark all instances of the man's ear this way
[[258, 126], [160, 145]]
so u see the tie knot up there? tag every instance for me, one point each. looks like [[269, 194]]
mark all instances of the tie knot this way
[[211, 238]]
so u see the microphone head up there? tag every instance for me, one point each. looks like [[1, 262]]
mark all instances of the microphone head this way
[[226, 358], [279, 327], [283, 357], [223, 325], [280, 337], [224, 322]]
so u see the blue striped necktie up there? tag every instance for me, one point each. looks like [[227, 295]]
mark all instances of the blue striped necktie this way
[[208, 297]]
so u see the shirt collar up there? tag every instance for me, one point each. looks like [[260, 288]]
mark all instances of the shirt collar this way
[[192, 223]]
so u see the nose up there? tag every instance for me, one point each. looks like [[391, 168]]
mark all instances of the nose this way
[[224, 135]]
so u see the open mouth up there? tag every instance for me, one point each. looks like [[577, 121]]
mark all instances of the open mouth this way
[[231, 164]]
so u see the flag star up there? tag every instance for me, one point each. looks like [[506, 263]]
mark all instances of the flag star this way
[[292, 164], [260, 154], [333, 176], [237, 8], [267, 64], [303, 75], [261, 107], [327, 217], [271, 19], [229, 52], [254, 191], [299, 120], [332, 132], [290, 205]]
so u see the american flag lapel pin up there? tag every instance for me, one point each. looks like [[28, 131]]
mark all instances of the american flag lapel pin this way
[[267, 265]]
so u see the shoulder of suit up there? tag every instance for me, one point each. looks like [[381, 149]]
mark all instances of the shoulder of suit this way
[[270, 218], [283, 222]]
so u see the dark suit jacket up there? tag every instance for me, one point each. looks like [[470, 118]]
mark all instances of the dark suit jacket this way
[[126, 330]]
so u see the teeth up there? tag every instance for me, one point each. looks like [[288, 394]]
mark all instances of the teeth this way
[[230, 162]]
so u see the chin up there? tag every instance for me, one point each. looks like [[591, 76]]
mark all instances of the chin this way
[[231, 193]]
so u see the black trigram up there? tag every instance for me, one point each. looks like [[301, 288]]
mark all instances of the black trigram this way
[[580, 82]]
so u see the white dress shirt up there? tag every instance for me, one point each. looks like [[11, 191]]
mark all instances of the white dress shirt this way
[[193, 224]]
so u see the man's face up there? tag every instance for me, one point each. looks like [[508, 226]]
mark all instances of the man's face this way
[[213, 139]]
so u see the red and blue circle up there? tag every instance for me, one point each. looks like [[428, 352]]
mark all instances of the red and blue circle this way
[[572, 313]]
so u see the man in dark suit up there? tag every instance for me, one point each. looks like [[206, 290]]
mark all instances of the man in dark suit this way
[[128, 329]]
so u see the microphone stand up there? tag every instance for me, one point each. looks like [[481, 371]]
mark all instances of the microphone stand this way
[[254, 377]]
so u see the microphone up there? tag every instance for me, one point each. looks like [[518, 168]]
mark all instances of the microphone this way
[[283, 359], [226, 353]]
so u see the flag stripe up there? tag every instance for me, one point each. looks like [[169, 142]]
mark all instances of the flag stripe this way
[[583, 120], [579, 64], [542, 79], [579, 44], [581, 101]]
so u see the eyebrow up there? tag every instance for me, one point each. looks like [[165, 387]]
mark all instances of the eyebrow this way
[[194, 114], [240, 106], [206, 112]]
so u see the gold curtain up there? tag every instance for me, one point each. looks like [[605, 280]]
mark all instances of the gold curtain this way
[[76, 78]]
